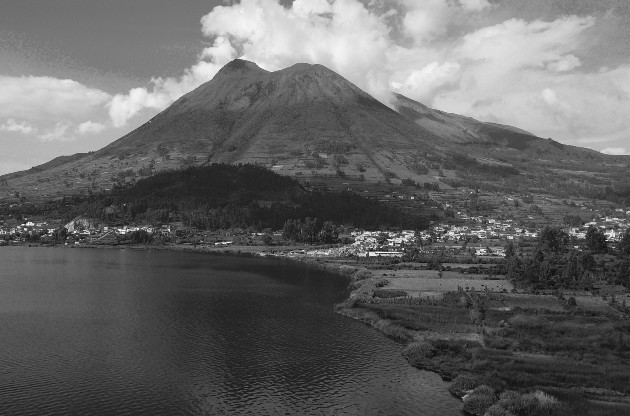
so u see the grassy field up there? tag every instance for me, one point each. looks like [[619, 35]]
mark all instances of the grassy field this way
[[436, 286], [533, 354]]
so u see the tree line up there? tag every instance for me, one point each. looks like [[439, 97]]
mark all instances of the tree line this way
[[222, 196], [556, 263]]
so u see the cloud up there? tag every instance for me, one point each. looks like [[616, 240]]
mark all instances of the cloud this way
[[90, 127], [342, 35], [523, 73], [615, 151], [425, 21], [164, 91], [449, 54], [57, 133], [475, 5], [433, 78], [22, 127], [37, 98]]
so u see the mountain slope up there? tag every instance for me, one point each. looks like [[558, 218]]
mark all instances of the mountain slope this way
[[308, 122], [246, 114]]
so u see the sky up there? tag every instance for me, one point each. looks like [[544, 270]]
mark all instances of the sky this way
[[75, 75]]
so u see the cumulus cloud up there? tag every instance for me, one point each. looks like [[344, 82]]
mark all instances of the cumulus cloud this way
[[425, 83], [37, 98], [342, 35], [164, 91], [475, 5], [522, 73], [57, 133], [90, 127], [525, 73], [20, 127]]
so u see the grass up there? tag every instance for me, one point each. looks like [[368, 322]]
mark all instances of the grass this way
[[538, 353], [552, 358]]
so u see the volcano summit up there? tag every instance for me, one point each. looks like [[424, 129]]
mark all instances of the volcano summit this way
[[306, 121]]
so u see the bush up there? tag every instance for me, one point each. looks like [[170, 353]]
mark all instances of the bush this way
[[463, 384], [340, 159], [518, 403], [362, 275], [497, 410], [417, 351], [479, 401], [545, 401]]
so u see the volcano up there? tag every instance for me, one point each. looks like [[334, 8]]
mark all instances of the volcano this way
[[304, 121]]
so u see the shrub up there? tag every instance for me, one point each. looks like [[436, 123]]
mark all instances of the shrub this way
[[462, 384], [545, 401], [518, 403], [362, 275], [497, 410], [419, 350], [340, 159], [389, 174], [478, 402]]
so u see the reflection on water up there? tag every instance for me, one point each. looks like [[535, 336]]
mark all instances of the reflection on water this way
[[164, 333]]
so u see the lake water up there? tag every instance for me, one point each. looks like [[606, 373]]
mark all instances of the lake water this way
[[125, 332]]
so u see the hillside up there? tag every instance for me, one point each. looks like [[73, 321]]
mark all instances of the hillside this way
[[222, 196], [310, 123]]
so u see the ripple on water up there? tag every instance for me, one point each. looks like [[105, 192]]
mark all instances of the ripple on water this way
[[141, 333]]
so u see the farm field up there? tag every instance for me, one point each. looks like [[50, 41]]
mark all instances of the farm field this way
[[435, 286]]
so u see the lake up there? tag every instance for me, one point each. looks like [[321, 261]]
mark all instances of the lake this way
[[128, 332]]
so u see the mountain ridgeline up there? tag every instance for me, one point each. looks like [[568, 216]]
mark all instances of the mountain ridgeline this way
[[310, 123], [223, 196]]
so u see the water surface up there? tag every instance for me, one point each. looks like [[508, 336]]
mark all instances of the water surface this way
[[125, 332]]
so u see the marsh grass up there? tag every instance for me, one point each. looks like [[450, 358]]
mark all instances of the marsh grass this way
[[542, 355], [477, 402], [423, 317]]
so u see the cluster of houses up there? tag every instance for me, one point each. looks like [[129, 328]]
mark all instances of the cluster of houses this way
[[475, 232], [368, 244], [20, 231], [76, 230], [483, 229], [613, 228]]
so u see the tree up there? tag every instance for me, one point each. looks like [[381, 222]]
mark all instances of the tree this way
[[572, 220], [623, 273], [624, 245], [267, 239], [509, 249], [60, 235], [329, 233], [162, 151], [290, 230], [596, 240], [552, 240]]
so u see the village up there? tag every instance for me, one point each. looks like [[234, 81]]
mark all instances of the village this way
[[480, 235]]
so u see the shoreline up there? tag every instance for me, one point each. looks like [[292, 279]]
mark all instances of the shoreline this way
[[453, 367]]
